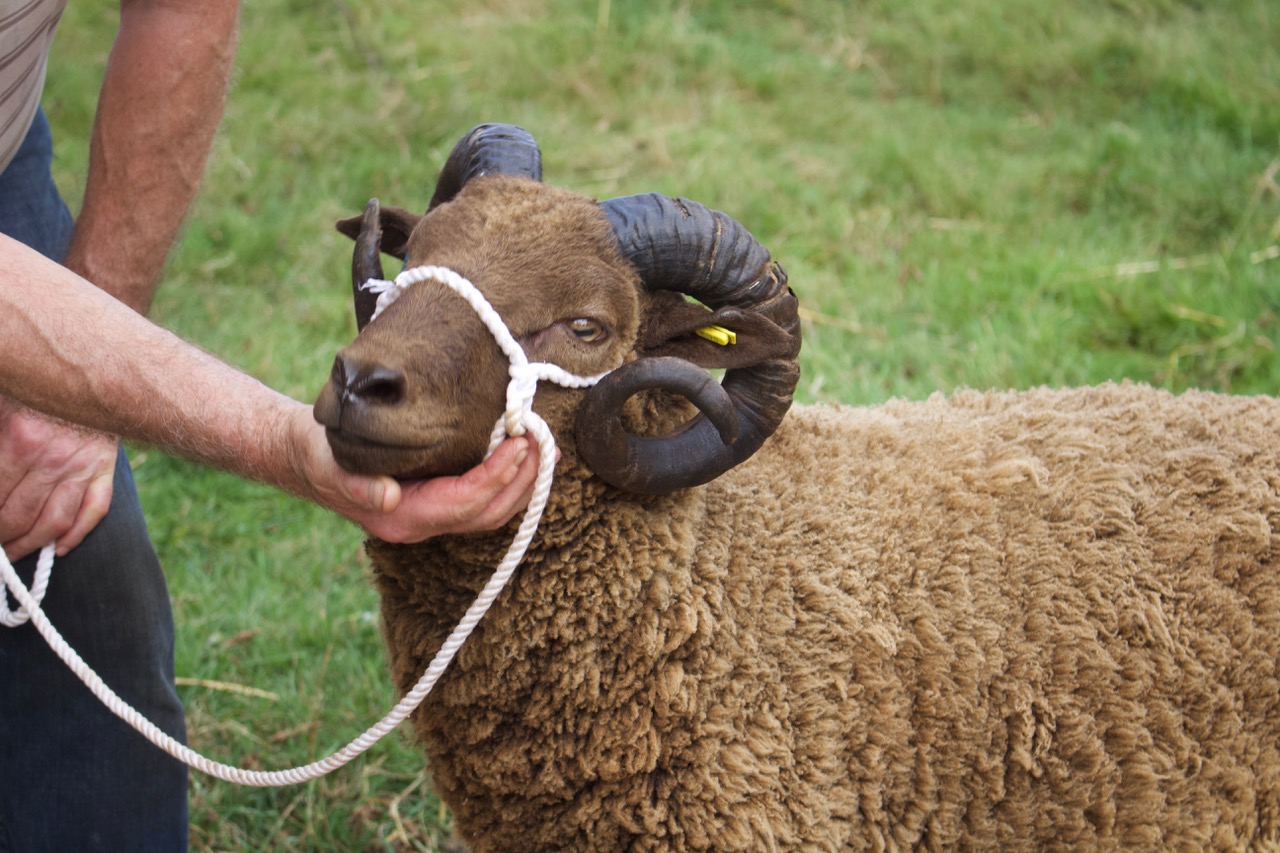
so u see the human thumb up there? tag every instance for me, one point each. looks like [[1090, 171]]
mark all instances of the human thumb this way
[[384, 494]]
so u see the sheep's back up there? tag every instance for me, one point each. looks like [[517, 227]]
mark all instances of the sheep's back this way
[[1042, 618], [1014, 621]]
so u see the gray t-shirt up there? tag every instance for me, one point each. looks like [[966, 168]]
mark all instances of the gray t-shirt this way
[[26, 33]]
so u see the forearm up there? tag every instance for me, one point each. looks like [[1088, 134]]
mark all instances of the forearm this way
[[71, 351], [162, 97]]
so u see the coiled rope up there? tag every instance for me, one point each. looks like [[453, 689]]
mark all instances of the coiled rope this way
[[518, 419]]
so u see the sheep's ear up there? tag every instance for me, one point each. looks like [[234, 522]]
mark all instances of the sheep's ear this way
[[375, 231], [728, 338], [397, 225]]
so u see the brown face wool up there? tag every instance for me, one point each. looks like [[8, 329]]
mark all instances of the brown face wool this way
[[1021, 621]]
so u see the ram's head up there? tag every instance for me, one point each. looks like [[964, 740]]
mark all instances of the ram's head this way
[[623, 285]]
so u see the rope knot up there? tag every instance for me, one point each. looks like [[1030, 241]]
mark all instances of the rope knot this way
[[520, 391], [387, 291]]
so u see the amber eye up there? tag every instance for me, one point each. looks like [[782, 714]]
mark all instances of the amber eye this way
[[586, 329]]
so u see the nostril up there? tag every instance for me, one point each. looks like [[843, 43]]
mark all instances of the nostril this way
[[368, 383], [381, 385]]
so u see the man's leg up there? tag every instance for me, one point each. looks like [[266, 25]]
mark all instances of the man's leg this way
[[72, 775]]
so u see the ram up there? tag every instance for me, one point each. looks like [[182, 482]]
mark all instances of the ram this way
[[1018, 621]]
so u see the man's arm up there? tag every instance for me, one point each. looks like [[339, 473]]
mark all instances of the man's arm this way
[[162, 97], [71, 351]]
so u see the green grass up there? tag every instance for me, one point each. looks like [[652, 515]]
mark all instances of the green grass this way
[[965, 194]]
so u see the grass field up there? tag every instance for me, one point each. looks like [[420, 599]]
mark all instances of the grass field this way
[[965, 193]]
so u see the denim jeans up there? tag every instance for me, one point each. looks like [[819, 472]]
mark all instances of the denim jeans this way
[[73, 777]]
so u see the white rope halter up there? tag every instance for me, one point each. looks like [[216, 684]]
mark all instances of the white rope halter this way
[[518, 418]]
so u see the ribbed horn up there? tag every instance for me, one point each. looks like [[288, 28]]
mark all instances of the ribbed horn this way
[[486, 149], [680, 245]]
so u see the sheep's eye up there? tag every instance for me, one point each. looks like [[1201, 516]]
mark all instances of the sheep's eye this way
[[586, 329]]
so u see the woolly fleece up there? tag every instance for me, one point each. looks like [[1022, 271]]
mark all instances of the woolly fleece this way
[[1018, 621]]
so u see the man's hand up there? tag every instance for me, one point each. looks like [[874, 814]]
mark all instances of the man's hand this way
[[484, 498], [55, 481]]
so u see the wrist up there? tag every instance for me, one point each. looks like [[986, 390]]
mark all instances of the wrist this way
[[286, 448]]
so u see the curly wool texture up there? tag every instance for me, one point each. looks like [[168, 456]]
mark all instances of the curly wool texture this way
[[1017, 621]]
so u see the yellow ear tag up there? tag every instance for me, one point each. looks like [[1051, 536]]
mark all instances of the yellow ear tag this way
[[718, 335]]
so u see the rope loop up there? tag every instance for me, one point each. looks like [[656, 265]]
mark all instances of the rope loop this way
[[518, 419], [39, 585]]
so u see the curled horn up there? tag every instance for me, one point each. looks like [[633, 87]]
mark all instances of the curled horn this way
[[680, 245], [488, 148]]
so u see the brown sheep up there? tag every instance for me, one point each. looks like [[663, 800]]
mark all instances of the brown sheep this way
[[1015, 621]]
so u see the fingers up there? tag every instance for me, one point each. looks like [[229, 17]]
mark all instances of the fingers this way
[[58, 485], [33, 527], [501, 487], [384, 494], [71, 510], [379, 494], [93, 508], [21, 507], [484, 498]]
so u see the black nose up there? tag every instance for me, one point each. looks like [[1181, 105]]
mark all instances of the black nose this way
[[369, 383]]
